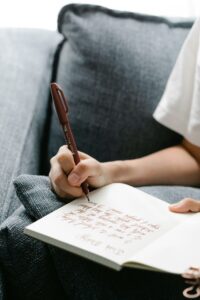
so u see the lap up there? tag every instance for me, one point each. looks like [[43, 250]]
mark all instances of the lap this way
[[86, 280]]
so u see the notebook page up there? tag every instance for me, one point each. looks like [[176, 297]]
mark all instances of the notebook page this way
[[175, 251], [118, 222]]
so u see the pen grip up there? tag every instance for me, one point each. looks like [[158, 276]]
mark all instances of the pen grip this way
[[73, 148]]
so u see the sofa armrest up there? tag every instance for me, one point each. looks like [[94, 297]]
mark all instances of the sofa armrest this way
[[26, 58]]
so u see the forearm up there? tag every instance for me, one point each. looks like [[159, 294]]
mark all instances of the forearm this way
[[174, 165]]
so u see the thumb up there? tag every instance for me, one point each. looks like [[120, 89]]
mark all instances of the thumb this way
[[84, 169], [186, 205]]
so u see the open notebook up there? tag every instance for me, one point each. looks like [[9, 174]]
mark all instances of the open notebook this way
[[123, 226]]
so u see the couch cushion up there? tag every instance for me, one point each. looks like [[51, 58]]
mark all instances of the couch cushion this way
[[28, 269], [113, 67], [26, 58], [80, 278]]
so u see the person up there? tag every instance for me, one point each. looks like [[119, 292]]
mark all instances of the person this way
[[179, 110]]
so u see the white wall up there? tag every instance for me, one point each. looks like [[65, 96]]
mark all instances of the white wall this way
[[43, 13]]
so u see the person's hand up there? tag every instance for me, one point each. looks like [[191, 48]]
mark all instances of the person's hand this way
[[66, 177], [186, 205]]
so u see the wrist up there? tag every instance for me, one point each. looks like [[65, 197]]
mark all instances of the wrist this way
[[123, 171]]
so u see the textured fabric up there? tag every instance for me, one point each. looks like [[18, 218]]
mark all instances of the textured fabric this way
[[36, 195], [26, 58], [179, 107], [2, 286], [28, 269], [113, 67], [84, 280], [172, 194]]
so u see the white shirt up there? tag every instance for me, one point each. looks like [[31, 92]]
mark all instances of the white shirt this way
[[179, 107]]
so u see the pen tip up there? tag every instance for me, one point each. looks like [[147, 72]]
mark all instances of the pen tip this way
[[87, 198]]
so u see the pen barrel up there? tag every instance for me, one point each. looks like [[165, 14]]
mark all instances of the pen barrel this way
[[71, 142], [73, 148], [62, 109]]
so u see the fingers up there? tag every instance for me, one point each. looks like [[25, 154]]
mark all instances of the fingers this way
[[66, 177], [88, 169], [64, 158], [61, 165], [83, 155], [61, 186], [186, 205]]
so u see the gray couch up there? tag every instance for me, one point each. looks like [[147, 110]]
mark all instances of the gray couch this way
[[113, 66]]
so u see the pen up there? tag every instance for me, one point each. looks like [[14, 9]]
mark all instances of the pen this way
[[62, 110]]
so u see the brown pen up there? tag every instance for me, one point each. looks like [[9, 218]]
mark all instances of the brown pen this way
[[62, 110]]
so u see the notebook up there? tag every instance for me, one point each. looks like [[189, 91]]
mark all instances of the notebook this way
[[123, 226]]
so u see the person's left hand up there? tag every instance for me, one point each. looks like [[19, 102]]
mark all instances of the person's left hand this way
[[186, 205]]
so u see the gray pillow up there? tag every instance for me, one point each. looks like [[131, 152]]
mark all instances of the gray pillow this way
[[82, 279], [113, 67], [35, 193]]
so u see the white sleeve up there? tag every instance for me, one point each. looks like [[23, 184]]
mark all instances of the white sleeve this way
[[179, 107]]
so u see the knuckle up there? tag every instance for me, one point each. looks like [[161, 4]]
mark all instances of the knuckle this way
[[64, 156], [50, 174], [52, 160], [188, 200], [61, 157], [63, 148], [83, 166]]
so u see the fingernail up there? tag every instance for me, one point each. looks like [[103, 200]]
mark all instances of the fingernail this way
[[73, 178]]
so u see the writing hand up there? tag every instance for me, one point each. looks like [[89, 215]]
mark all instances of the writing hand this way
[[66, 177], [186, 205]]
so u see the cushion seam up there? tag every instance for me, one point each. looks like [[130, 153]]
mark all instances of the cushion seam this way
[[182, 22]]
